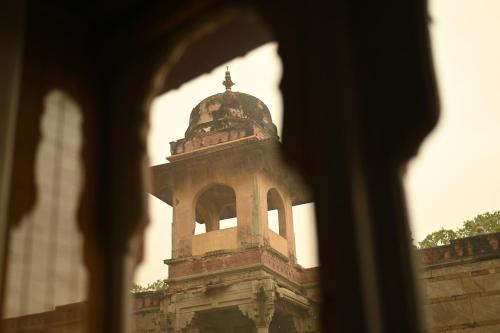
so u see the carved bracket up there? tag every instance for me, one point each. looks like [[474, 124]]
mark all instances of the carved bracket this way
[[261, 310]]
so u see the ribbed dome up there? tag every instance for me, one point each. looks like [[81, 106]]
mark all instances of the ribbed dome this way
[[229, 109]]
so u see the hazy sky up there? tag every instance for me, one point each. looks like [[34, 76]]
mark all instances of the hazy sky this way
[[457, 173]]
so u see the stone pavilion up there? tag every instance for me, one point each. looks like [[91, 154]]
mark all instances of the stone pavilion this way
[[243, 278]]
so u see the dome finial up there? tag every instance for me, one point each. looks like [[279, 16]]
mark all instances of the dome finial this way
[[227, 82]]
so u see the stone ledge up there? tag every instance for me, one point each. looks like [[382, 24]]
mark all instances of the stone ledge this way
[[464, 274], [467, 326], [437, 300]]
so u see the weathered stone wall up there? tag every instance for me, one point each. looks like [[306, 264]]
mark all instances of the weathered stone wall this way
[[461, 285], [147, 316], [148, 322], [65, 318]]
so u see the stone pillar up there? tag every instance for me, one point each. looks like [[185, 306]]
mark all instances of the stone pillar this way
[[290, 234], [247, 207], [183, 224], [212, 219]]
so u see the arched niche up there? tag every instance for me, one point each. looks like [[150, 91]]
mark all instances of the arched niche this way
[[276, 212], [215, 208]]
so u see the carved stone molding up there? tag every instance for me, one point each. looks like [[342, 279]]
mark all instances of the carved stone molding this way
[[260, 314], [261, 310]]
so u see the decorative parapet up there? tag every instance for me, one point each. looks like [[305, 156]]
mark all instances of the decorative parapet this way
[[223, 239], [478, 247], [201, 141], [212, 263], [147, 300]]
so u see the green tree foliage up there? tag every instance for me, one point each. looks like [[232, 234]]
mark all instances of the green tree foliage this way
[[440, 237], [155, 286], [487, 222]]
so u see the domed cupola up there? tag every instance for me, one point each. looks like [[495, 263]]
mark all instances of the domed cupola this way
[[229, 109], [225, 117]]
